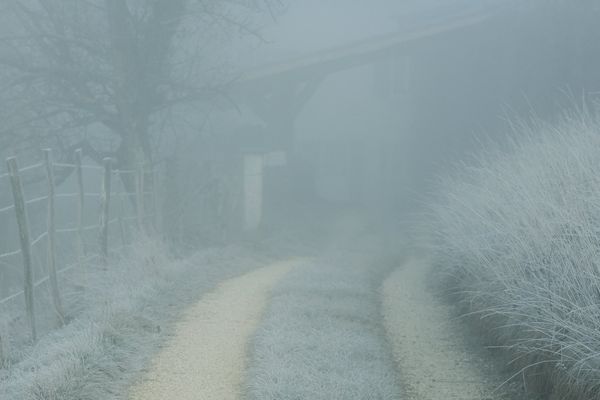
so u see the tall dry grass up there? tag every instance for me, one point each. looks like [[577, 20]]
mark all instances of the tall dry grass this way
[[519, 234]]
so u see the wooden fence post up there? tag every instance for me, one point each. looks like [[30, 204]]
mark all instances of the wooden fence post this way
[[23, 224], [52, 237], [80, 206], [104, 214]]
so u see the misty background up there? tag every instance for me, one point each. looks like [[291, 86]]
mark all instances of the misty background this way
[[360, 128], [153, 149]]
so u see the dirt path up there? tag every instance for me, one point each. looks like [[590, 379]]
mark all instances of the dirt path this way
[[205, 359], [428, 343]]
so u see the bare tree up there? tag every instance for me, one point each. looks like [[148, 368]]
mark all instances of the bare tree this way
[[100, 74]]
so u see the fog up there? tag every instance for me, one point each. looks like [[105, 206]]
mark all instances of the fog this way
[[367, 101], [377, 131], [372, 167]]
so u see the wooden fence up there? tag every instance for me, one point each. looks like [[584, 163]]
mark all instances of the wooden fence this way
[[143, 198]]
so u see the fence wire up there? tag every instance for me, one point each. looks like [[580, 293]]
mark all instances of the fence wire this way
[[115, 192]]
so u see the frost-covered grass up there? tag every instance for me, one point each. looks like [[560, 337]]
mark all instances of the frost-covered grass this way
[[118, 317], [322, 338], [519, 234]]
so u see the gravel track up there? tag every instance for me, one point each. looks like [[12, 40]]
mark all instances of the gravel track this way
[[429, 344], [206, 357]]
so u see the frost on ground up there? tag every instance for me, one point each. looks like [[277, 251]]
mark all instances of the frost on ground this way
[[428, 343], [206, 357], [322, 337], [117, 323]]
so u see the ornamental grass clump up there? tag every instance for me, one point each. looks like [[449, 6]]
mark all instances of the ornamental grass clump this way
[[519, 234]]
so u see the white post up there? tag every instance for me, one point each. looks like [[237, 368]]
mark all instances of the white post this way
[[121, 211], [155, 200], [140, 204], [80, 207], [253, 191], [104, 213]]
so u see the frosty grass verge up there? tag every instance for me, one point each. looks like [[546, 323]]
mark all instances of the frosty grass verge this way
[[519, 235], [322, 337], [117, 323]]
